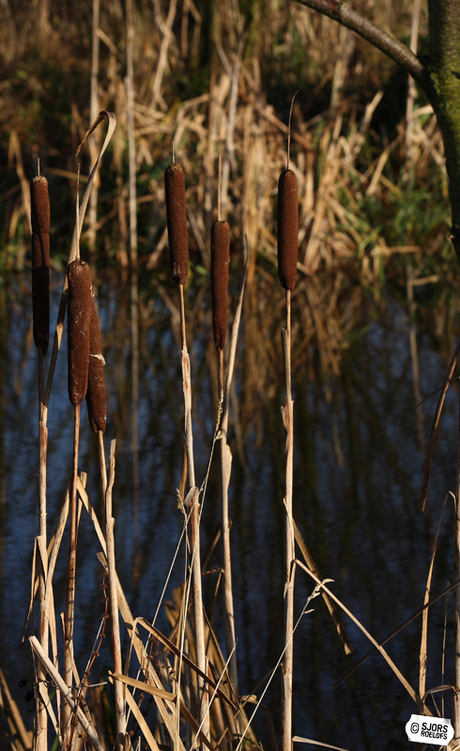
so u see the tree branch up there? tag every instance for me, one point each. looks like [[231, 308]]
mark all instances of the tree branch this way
[[394, 49]]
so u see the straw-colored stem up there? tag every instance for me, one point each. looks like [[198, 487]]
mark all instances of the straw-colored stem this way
[[225, 471], [230, 637], [42, 716], [183, 335], [286, 710], [102, 467], [120, 713], [67, 694], [226, 464], [195, 523], [69, 620]]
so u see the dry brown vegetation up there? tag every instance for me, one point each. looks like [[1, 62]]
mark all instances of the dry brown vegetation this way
[[217, 82]]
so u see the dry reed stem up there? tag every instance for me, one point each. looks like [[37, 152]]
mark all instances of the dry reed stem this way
[[40, 223], [69, 616], [288, 661], [144, 660], [423, 655], [412, 693], [434, 430], [43, 574], [226, 463], [120, 708], [329, 604], [66, 694]]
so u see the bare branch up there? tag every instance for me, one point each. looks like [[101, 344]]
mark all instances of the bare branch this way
[[396, 50]]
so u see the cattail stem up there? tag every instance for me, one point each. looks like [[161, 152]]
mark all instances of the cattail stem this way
[[69, 617], [120, 714], [220, 372], [102, 468], [183, 334], [195, 515], [42, 715], [230, 635], [287, 666], [40, 247]]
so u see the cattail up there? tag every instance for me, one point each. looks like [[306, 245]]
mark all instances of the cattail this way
[[78, 327], [40, 219], [288, 229], [177, 222], [95, 395], [220, 260]]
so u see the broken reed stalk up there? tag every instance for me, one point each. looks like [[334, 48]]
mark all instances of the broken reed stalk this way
[[288, 234], [176, 216], [220, 262], [78, 327], [40, 246]]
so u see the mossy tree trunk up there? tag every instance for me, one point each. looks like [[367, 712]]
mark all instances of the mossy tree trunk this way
[[442, 86], [439, 76]]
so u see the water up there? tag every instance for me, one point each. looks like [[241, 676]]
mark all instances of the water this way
[[358, 468]]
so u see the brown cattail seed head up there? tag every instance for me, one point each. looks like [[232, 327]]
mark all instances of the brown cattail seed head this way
[[78, 327], [288, 229], [95, 396], [40, 246], [177, 222], [220, 261], [39, 205]]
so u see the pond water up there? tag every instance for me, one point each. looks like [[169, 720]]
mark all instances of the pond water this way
[[358, 468]]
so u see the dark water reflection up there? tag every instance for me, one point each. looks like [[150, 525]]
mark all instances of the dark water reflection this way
[[358, 469]]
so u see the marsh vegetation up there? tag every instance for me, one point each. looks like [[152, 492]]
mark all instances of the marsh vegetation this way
[[373, 316]]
